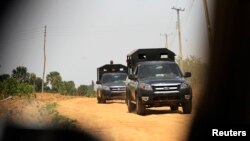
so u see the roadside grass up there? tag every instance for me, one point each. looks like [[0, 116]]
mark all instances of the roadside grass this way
[[57, 120], [50, 107], [32, 112], [63, 122]]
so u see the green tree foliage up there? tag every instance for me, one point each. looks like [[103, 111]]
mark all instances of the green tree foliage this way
[[67, 88], [11, 87], [20, 74], [82, 90], [3, 77], [54, 78], [25, 89], [57, 85], [38, 84], [46, 89], [32, 78], [22, 82], [90, 92], [8, 87]]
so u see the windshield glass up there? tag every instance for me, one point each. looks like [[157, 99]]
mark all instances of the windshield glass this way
[[164, 70], [114, 78]]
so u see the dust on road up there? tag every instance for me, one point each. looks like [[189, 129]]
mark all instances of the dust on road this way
[[111, 121]]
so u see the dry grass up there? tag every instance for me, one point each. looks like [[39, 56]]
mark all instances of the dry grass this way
[[39, 112]]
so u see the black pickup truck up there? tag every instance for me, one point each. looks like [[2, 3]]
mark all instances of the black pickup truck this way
[[111, 79], [154, 80]]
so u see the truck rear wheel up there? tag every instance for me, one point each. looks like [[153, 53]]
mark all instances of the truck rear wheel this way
[[174, 107], [187, 107], [131, 106], [140, 107]]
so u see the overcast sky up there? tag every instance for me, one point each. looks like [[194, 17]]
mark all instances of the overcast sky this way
[[85, 34]]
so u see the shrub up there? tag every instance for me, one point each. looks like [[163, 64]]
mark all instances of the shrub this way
[[90, 93], [4, 77], [67, 88], [8, 87], [25, 89], [82, 90]]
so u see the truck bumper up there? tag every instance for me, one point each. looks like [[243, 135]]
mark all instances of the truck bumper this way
[[157, 100], [114, 95]]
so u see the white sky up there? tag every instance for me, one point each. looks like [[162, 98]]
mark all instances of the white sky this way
[[85, 34]]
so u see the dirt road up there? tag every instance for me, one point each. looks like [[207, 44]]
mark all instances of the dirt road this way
[[111, 121]]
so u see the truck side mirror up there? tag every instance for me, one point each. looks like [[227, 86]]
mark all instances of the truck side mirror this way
[[132, 77], [98, 82], [187, 74]]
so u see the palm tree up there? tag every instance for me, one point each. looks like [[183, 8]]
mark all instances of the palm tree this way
[[20, 74], [55, 80]]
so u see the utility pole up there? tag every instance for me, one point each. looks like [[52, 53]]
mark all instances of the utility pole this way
[[44, 54], [166, 37], [179, 33], [210, 37]]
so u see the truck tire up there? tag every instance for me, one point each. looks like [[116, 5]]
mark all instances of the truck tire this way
[[127, 96], [140, 107], [187, 107], [174, 107], [103, 100], [131, 106], [98, 100], [98, 97]]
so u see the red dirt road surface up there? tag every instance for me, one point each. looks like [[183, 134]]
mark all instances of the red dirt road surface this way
[[111, 121]]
